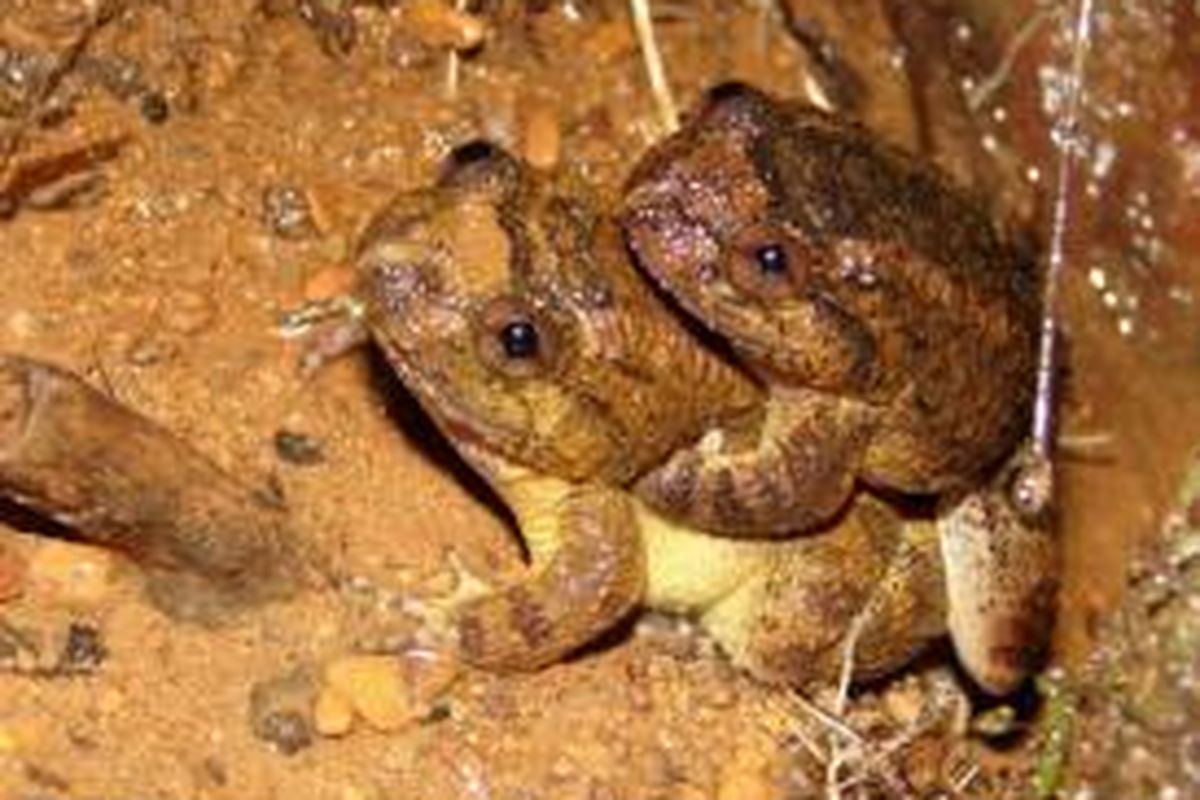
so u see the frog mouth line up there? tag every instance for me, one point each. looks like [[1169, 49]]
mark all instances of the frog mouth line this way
[[465, 430]]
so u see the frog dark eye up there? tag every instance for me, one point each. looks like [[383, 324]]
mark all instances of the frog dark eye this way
[[772, 259], [519, 339]]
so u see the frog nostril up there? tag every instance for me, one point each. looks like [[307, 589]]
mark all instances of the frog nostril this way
[[473, 152], [730, 90]]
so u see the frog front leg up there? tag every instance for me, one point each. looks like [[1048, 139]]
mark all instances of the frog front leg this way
[[791, 474], [587, 572], [1001, 584]]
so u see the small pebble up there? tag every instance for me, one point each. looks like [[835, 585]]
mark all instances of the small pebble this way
[[84, 650], [69, 573], [148, 351], [288, 212], [332, 714], [154, 108], [289, 731], [298, 448], [372, 686], [542, 136], [388, 692], [437, 24], [279, 712], [904, 703]]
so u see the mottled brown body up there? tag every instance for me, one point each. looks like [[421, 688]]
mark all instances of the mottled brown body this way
[[611, 385], [509, 308], [895, 326], [892, 301]]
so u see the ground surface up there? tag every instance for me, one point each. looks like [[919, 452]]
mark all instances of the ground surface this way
[[160, 274]]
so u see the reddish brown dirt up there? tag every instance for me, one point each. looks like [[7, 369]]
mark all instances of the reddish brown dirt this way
[[165, 289]]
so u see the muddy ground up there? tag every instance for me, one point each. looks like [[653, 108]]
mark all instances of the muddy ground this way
[[174, 175]]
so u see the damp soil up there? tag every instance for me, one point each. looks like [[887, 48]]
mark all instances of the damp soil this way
[[175, 175]]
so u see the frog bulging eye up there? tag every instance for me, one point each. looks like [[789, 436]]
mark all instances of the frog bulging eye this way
[[516, 340], [766, 264], [519, 339]]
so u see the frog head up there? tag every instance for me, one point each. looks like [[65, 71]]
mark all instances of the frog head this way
[[505, 303], [708, 217]]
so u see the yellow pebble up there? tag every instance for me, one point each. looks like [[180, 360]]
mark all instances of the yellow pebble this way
[[73, 574], [372, 686], [332, 715]]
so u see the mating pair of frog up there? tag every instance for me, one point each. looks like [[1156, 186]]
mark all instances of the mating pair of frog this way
[[697, 402]]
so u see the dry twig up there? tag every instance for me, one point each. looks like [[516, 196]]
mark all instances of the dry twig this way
[[643, 23]]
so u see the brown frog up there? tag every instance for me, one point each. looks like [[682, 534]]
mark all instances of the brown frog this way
[[894, 325], [508, 307]]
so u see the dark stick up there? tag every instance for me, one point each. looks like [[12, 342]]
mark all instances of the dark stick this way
[[118, 480]]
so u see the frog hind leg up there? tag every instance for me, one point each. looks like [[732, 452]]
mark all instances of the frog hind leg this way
[[587, 573], [1001, 585], [873, 576], [790, 476]]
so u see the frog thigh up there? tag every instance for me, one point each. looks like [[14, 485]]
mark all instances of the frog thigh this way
[[795, 473], [1001, 584], [908, 608], [788, 626], [588, 572]]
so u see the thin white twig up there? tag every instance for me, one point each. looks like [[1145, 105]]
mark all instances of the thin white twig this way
[[643, 24], [1067, 134], [454, 61], [979, 96]]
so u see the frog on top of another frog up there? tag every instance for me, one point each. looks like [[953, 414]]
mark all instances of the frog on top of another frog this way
[[509, 308], [894, 326]]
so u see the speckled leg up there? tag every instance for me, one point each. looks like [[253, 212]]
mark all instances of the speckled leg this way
[[791, 475], [1001, 583], [588, 572], [874, 576]]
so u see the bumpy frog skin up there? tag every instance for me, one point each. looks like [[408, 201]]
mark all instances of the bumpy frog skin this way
[[511, 312], [895, 327]]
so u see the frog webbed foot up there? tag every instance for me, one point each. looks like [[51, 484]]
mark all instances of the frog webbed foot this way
[[588, 573], [1001, 585]]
